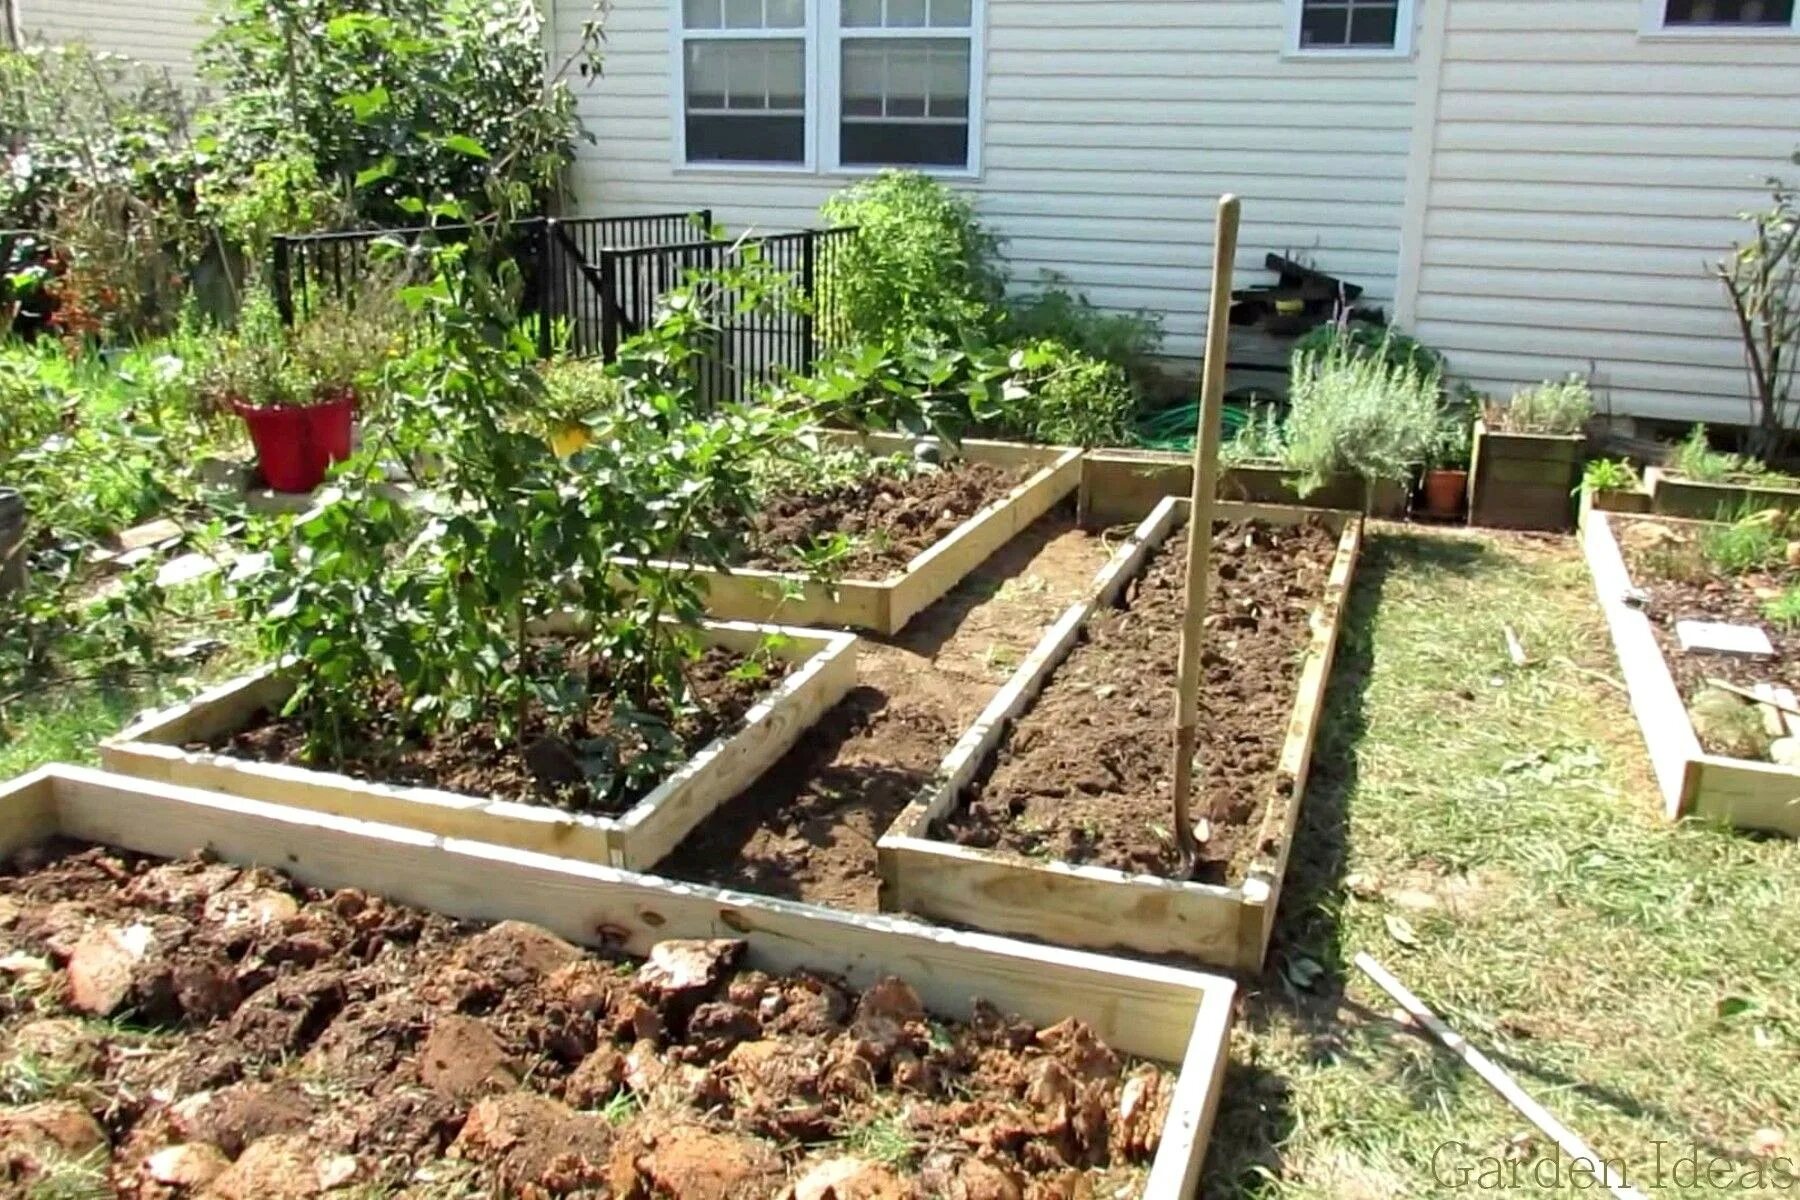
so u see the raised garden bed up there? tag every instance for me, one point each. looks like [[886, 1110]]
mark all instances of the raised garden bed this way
[[885, 605], [277, 1036], [1741, 792], [1524, 480], [823, 670], [1677, 496], [1121, 487], [1104, 717]]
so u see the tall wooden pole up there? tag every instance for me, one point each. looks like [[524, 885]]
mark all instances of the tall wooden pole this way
[[1206, 486]]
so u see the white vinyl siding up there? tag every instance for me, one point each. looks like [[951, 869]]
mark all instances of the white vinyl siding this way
[[1107, 132], [1579, 181], [163, 33]]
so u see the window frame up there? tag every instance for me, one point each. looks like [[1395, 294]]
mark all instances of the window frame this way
[[824, 34], [1653, 24], [1406, 19]]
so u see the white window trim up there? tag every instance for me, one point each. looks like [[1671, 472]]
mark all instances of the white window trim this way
[[1653, 15], [1405, 21], [824, 57]]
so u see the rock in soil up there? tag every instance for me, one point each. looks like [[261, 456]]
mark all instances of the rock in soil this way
[[403, 1048]]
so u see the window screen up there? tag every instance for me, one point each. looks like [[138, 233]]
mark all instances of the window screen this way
[[1354, 24], [1779, 13]]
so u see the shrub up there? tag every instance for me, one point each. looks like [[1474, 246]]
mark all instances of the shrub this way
[[1127, 340], [1559, 407], [1059, 394], [1356, 413], [1366, 340], [920, 263]]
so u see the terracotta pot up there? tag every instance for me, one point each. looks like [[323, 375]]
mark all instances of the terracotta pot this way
[[295, 446], [1444, 491]]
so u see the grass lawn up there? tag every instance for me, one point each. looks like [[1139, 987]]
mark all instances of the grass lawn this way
[[1491, 834]]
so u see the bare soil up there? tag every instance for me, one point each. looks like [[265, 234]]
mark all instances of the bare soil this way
[[1085, 775], [476, 761], [807, 829], [890, 519], [1700, 593], [188, 1028]]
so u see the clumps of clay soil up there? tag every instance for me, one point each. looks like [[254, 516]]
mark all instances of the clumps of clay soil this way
[[889, 517], [476, 761], [1084, 777], [174, 1029]]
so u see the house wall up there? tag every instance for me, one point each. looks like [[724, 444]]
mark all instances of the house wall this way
[[163, 33], [1110, 130], [1575, 185]]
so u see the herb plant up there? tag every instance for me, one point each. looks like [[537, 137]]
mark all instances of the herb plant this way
[[1358, 414], [1609, 475], [1560, 407]]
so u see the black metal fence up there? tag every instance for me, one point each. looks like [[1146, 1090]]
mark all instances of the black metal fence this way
[[315, 268], [591, 283]]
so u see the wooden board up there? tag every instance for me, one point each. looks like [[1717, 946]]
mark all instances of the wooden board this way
[[1753, 795], [1099, 907], [1122, 486], [153, 749], [1175, 1017], [1677, 497], [885, 606], [1523, 480]]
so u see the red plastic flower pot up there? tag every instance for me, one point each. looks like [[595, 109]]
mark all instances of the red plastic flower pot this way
[[295, 446], [1444, 491]]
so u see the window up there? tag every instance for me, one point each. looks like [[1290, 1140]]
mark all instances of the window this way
[[1327, 27], [1720, 18], [853, 84]]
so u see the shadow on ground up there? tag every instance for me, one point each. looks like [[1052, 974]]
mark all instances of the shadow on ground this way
[[1256, 1116]]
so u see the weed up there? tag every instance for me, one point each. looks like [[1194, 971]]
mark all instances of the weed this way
[[1784, 609], [27, 1078], [1744, 545], [71, 1177], [621, 1108], [883, 1138], [1695, 459]]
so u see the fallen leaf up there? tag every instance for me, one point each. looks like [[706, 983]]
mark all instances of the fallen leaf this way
[[1401, 931]]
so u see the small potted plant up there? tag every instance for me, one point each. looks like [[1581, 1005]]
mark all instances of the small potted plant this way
[[1445, 483], [1526, 465]]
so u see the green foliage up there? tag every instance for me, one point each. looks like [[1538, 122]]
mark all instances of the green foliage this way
[[1452, 440], [1559, 407], [1260, 439], [401, 103], [1694, 458], [1359, 414], [1753, 542], [1063, 396], [1126, 340], [920, 263], [1365, 340], [1784, 607], [1610, 475]]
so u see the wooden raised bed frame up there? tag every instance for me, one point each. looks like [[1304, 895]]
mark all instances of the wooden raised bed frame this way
[[1524, 480], [1679, 497], [1122, 486], [1752, 795], [1179, 1018], [885, 606], [1098, 907], [153, 749]]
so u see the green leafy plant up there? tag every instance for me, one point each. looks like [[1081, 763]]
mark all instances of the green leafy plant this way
[[1784, 608], [1753, 542], [1260, 439], [1367, 340], [1127, 340], [1058, 394], [920, 263], [1358, 414], [1452, 441], [1559, 407], [1610, 475]]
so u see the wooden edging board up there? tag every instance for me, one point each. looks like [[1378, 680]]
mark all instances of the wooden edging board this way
[[885, 606], [1098, 907], [1176, 1017], [1751, 795], [1675, 496], [1121, 486], [153, 748]]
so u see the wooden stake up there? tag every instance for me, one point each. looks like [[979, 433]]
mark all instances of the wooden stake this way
[[1566, 1139], [1206, 486]]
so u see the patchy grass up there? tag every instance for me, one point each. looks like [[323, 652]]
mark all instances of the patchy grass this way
[[1491, 834]]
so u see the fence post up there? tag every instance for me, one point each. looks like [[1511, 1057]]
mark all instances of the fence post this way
[[547, 254], [609, 305], [284, 279], [809, 293]]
